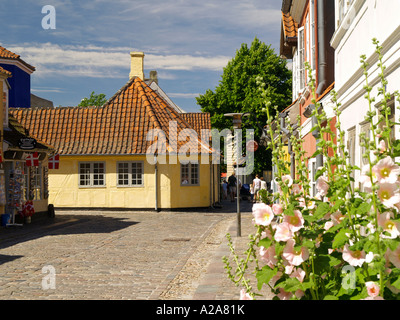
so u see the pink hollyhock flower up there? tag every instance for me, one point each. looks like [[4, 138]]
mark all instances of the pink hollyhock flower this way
[[266, 234], [288, 267], [372, 289], [382, 146], [322, 186], [388, 225], [296, 221], [275, 278], [310, 203], [365, 178], [386, 170], [263, 214], [277, 209], [287, 180], [388, 194], [283, 232], [354, 258], [296, 188], [328, 225], [299, 274], [337, 217], [294, 257], [299, 294], [244, 295], [268, 256], [394, 257], [283, 295]]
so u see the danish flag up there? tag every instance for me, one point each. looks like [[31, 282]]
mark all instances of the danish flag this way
[[32, 160], [54, 162]]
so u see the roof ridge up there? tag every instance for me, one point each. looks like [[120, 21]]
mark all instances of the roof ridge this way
[[7, 54]]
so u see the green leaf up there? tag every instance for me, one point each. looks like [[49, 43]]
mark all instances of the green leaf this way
[[392, 243], [322, 209], [396, 284], [290, 285], [364, 208], [340, 239], [266, 243], [328, 297], [265, 275]]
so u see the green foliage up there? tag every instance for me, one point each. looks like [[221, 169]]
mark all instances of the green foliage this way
[[346, 246], [238, 92], [95, 100]]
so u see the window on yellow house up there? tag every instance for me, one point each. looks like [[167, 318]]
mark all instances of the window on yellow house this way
[[91, 174], [130, 173], [190, 174]]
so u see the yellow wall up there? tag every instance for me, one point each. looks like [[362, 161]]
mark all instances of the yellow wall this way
[[65, 191]]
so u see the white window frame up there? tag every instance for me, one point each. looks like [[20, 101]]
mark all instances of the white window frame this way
[[131, 180], [295, 84], [301, 70], [311, 39], [312, 167], [191, 176], [91, 175]]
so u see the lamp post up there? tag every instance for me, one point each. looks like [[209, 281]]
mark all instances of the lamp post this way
[[237, 124]]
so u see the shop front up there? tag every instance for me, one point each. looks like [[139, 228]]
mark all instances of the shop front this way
[[24, 171]]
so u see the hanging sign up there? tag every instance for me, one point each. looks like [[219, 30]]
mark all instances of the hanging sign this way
[[27, 143]]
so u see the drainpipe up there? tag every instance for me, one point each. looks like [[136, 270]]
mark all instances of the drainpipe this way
[[211, 186], [322, 68], [156, 181]]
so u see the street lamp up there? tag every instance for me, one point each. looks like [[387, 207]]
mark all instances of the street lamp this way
[[237, 124]]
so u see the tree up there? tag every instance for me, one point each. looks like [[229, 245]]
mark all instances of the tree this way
[[96, 100], [238, 92]]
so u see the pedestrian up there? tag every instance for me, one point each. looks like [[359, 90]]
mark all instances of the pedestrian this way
[[263, 183], [225, 189], [232, 186], [256, 187], [251, 192]]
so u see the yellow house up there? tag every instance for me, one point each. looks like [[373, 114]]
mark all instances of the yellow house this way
[[107, 153]]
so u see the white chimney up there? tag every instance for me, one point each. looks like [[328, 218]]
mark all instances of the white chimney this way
[[137, 65]]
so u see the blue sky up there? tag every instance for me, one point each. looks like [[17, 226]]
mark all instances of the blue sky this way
[[188, 42]]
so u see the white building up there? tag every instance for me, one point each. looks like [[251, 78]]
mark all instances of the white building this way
[[357, 23]]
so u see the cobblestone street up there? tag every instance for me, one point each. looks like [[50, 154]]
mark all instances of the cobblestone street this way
[[121, 255]]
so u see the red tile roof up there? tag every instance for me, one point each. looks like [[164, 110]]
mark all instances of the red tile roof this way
[[7, 54], [6, 72], [288, 35], [290, 27], [121, 126], [197, 120]]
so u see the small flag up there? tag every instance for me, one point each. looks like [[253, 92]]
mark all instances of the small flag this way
[[54, 162], [32, 160]]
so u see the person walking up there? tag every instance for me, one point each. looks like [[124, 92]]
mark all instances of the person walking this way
[[225, 189], [232, 186], [256, 187], [263, 183]]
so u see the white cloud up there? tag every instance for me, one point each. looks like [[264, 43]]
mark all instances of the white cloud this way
[[94, 61]]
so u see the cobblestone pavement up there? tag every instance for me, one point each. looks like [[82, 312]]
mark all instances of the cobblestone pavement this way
[[121, 255]]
